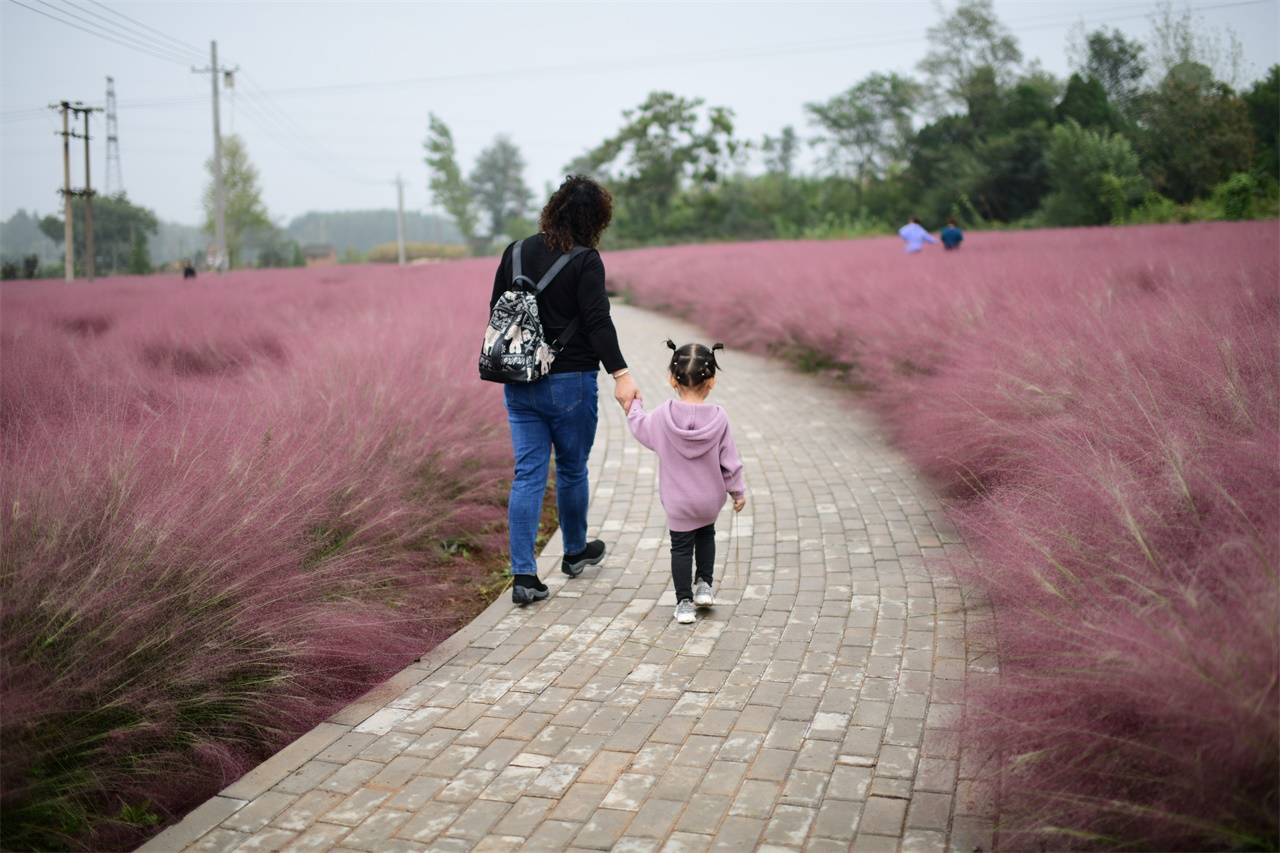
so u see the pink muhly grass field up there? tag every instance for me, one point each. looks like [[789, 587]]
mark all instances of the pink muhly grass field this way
[[1100, 409], [230, 506]]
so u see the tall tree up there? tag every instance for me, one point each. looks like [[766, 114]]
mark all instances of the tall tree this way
[[969, 39], [1195, 133], [1117, 64], [1086, 102], [1263, 103], [117, 224], [780, 152], [1095, 176], [447, 187], [1180, 39], [498, 188], [667, 143], [866, 128], [245, 212]]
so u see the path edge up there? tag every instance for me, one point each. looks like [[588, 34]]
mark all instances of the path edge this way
[[208, 815]]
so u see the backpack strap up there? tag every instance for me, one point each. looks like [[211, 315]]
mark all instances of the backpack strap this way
[[560, 264], [516, 272]]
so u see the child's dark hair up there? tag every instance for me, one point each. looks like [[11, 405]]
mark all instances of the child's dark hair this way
[[693, 364]]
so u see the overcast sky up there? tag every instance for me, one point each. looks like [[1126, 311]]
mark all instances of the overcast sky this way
[[332, 98]]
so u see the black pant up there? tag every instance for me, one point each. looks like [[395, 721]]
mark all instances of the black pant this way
[[685, 544]]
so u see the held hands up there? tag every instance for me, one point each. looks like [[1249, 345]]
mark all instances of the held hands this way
[[739, 501], [625, 390]]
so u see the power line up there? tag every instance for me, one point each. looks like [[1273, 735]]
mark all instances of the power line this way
[[124, 31], [883, 40], [187, 45], [100, 34], [291, 137]]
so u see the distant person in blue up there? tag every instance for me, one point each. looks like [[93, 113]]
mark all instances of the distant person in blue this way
[[952, 236], [915, 236]]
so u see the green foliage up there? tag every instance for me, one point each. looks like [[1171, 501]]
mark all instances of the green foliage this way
[[1095, 177], [20, 236], [780, 151], [363, 229], [244, 212], [1263, 103], [139, 257], [1015, 176], [447, 186], [13, 268], [866, 129], [1085, 103], [499, 191], [277, 250], [666, 145], [1195, 133], [495, 190], [982, 138], [1116, 64], [1236, 195], [117, 223], [1154, 209], [969, 49]]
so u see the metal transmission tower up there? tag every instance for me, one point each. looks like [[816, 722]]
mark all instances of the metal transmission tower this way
[[114, 182]]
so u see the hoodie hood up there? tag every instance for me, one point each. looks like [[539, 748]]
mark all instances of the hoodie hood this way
[[694, 429]]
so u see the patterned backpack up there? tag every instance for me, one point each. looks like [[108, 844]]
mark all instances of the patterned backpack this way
[[515, 347]]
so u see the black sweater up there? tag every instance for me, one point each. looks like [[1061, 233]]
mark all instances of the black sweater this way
[[578, 291]]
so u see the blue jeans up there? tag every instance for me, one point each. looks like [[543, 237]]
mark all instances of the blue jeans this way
[[559, 410]]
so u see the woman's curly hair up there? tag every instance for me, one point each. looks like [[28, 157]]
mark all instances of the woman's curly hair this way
[[577, 213]]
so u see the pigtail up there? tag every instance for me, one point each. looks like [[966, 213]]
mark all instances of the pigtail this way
[[714, 361], [671, 344]]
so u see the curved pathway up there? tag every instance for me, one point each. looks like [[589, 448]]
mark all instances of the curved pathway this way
[[813, 709]]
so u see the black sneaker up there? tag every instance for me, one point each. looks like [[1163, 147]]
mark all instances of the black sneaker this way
[[526, 589], [573, 564]]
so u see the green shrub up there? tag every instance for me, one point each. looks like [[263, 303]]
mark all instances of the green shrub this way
[[1235, 196]]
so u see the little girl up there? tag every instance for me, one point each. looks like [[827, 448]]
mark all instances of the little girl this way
[[698, 465]]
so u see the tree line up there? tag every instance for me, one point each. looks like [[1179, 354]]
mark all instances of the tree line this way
[[1152, 131]]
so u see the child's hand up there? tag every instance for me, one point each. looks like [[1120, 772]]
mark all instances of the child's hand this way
[[739, 501]]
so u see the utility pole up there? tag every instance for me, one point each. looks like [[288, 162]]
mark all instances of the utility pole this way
[[400, 216], [69, 252], [219, 199], [68, 234], [88, 204], [114, 181]]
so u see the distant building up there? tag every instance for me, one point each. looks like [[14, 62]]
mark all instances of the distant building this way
[[320, 255]]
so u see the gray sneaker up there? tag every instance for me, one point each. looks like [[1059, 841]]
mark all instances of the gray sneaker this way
[[702, 595], [685, 612]]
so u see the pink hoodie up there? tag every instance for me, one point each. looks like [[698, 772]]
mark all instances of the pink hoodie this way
[[697, 460]]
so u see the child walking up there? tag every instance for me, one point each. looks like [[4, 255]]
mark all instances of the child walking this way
[[698, 465]]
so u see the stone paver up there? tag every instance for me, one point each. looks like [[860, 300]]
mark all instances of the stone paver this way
[[812, 709]]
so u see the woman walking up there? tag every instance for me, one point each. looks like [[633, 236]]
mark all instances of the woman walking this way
[[559, 410]]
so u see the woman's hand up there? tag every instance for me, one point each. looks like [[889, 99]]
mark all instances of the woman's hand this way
[[739, 501], [625, 390]]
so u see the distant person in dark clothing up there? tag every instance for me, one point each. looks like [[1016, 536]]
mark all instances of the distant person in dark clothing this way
[[188, 270], [952, 236], [559, 410]]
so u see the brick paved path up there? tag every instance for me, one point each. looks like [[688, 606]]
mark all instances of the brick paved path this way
[[810, 711]]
